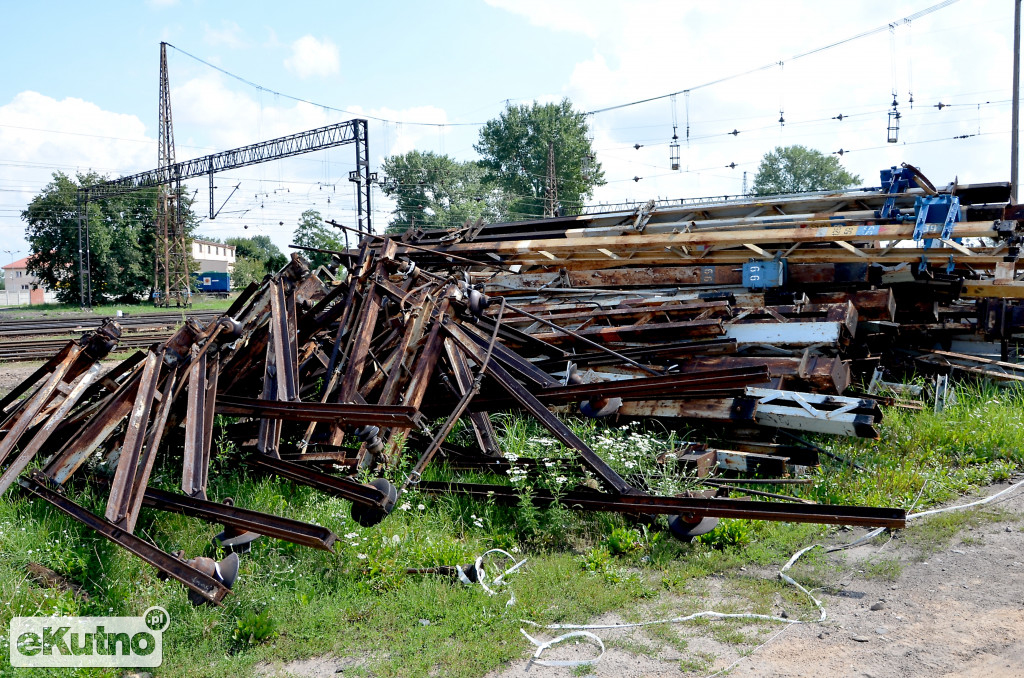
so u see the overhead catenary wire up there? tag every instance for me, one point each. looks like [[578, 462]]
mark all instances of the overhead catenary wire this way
[[327, 107], [858, 36]]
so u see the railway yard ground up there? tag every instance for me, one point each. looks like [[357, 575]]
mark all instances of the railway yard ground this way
[[945, 595]]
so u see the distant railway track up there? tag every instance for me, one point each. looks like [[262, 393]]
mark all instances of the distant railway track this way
[[40, 338], [141, 322], [44, 348]]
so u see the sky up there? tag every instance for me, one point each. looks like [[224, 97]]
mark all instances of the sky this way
[[80, 87]]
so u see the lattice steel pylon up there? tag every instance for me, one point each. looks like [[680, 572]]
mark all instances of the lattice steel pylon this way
[[171, 280], [551, 188]]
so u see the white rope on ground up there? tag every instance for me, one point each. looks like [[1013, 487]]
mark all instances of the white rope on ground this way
[[986, 500], [480, 574], [581, 629], [543, 645]]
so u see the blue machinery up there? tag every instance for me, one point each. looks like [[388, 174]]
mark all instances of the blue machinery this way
[[933, 213]]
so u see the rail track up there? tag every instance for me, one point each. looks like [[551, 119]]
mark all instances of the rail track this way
[[40, 338]]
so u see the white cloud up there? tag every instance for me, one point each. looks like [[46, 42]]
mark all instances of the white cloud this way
[[229, 35], [650, 47], [40, 135], [160, 4], [571, 16], [313, 57], [210, 116]]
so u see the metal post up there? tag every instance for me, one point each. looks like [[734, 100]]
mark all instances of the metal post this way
[[1014, 126], [81, 268], [88, 259], [361, 175]]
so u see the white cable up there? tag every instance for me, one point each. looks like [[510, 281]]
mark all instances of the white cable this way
[[581, 629], [543, 645], [481, 574], [986, 500], [710, 614]]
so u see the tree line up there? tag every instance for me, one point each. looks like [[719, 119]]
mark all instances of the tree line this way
[[118, 234], [533, 159]]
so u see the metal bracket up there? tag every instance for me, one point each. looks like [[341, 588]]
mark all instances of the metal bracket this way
[[643, 215]]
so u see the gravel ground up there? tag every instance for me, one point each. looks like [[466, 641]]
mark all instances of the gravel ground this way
[[953, 611]]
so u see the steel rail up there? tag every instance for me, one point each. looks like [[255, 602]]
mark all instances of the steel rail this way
[[867, 516]]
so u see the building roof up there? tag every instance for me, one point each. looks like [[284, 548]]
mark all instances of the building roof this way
[[20, 263], [210, 242]]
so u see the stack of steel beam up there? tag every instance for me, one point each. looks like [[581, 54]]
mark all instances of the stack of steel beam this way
[[746, 323]]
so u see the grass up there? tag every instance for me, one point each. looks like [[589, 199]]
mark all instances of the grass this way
[[888, 569], [103, 310], [358, 603], [934, 533]]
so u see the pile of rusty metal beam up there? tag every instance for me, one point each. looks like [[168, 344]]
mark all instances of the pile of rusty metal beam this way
[[752, 320], [822, 288]]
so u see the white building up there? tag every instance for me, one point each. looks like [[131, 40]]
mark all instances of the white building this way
[[213, 256], [22, 287]]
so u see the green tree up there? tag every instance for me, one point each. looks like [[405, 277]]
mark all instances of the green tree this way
[[261, 249], [794, 169], [311, 232], [120, 240], [247, 270], [437, 191], [514, 148]]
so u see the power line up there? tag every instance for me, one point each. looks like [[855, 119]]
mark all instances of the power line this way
[[864, 34], [261, 88]]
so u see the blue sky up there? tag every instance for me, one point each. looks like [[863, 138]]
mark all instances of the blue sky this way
[[79, 89]]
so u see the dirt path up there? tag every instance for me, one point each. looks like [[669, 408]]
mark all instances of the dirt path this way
[[951, 604], [12, 375]]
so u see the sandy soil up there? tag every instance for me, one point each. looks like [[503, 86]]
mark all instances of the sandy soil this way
[[958, 611], [13, 374]]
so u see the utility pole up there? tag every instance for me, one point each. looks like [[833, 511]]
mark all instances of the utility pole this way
[[1015, 124], [81, 263], [551, 191], [170, 256]]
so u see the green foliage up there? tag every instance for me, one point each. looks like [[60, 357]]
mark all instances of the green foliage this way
[[923, 458], [257, 248], [120, 240], [728, 533], [793, 169], [889, 569], [514, 151], [596, 560], [437, 191], [253, 628], [246, 271], [623, 541], [311, 232], [571, 575]]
